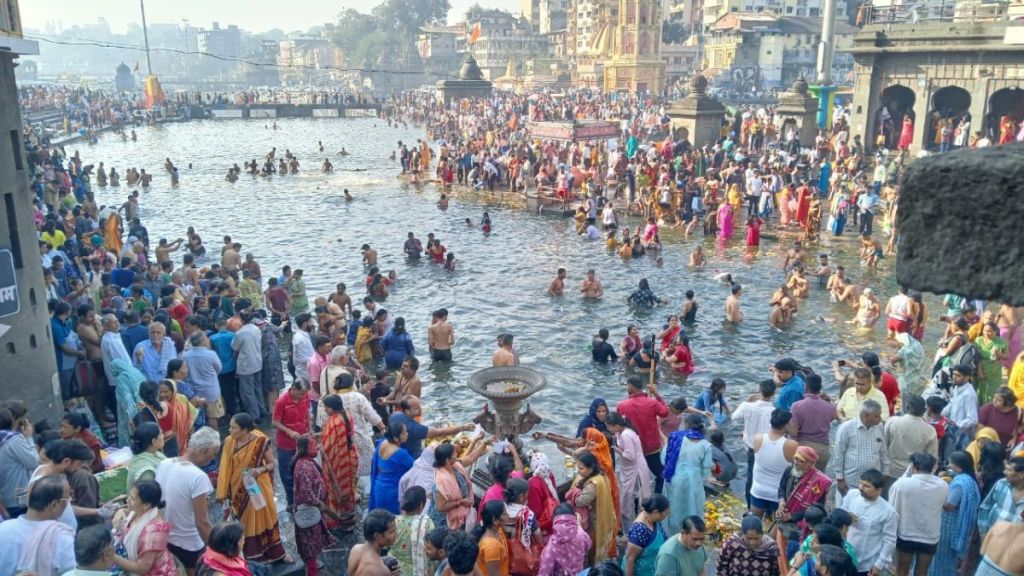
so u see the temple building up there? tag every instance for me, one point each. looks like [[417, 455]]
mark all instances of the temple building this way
[[635, 63]]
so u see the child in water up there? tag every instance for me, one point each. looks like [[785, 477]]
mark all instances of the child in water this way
[[485, 223], [449, 263]]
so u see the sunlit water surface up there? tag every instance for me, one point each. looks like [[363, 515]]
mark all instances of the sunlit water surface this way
[[501, 282]]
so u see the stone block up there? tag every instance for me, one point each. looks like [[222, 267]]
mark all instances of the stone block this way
[[960, 217]]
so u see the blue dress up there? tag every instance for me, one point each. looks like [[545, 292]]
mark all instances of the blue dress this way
[[685, 490], [384, 477], [396, 348]]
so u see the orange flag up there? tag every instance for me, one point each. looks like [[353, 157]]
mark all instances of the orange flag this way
[[474, 35]]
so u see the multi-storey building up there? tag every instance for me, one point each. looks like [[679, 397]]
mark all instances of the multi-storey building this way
[[635, 63], [503, 37]]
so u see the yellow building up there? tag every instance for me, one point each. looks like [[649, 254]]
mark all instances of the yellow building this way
[[635, 41]]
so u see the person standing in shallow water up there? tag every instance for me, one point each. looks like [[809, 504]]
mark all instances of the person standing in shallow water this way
[[440, 337]]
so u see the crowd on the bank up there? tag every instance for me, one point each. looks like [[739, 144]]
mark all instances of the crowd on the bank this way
[[924, 471]]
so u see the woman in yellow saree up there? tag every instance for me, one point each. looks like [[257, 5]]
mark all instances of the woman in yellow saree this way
[[112, 234], [248, 451]]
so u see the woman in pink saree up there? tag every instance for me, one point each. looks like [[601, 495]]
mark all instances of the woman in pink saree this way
[[725, 221]]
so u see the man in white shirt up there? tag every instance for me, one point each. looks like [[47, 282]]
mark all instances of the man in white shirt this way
[[302, 346], [918, 501], [756, 415], [112, 346], [186, 489], [873, 533], [21, 538], [963, 402]]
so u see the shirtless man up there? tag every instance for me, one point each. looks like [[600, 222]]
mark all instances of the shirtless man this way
[[797, 283], [870, 251], [842, 290], [1000, 550], [783, 308], [557, 286], [794, 257], [504, 355], [369, 255], [131, 207], [443, 202], [824, 271], [407, 383], [440, 337], [732, 305], [380, 532], [341, 299], [697, 258], [227, 245], [591, 287], [413, 247], [164, 249], [231, 258]]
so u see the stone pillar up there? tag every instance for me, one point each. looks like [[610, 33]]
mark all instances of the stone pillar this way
[[26, 345], [698, 114], [799, 105]]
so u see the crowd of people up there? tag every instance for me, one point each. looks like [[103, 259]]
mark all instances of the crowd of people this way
[[188, 365]]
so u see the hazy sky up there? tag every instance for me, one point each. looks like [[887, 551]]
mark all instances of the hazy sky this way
[[252, 15]]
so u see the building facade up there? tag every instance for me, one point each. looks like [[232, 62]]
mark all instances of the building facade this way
[[503, 36], [934, 72], [757, 51], [635, 63], [714, 10], [27, 351]]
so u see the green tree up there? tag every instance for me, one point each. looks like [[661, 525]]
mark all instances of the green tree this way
[[404, 17], [353, 26]]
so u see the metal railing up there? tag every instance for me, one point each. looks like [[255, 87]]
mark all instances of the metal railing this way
[[910, 12]]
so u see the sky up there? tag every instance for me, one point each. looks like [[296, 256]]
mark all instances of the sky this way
[[251, 15]]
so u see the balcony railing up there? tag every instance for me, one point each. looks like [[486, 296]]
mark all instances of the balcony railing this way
[[904, 12]]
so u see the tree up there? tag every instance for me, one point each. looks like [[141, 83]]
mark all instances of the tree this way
[[404, 17], [353, 26]]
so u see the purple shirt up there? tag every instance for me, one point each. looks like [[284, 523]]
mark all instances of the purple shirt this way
[[814, 416]]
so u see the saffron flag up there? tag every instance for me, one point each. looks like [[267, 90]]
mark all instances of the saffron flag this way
[[474, 35]]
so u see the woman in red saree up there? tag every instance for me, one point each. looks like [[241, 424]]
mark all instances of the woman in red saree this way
[[180, 411], [803, 204], [1005, 130], [341, 464], [906, 133], [309, 493]]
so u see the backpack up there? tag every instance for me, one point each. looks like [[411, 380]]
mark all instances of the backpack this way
[[967, 355]]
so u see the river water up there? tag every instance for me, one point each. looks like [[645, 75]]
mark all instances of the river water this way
[[501, 282]]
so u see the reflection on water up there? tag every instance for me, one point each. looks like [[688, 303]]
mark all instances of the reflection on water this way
[[500, 286]]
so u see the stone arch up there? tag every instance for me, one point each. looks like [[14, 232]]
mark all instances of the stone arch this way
[[896, 101], [949, 103], [1004, 102], [790, 123]]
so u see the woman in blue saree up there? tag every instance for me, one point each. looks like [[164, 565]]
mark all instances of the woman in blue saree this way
[[390, 462]]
